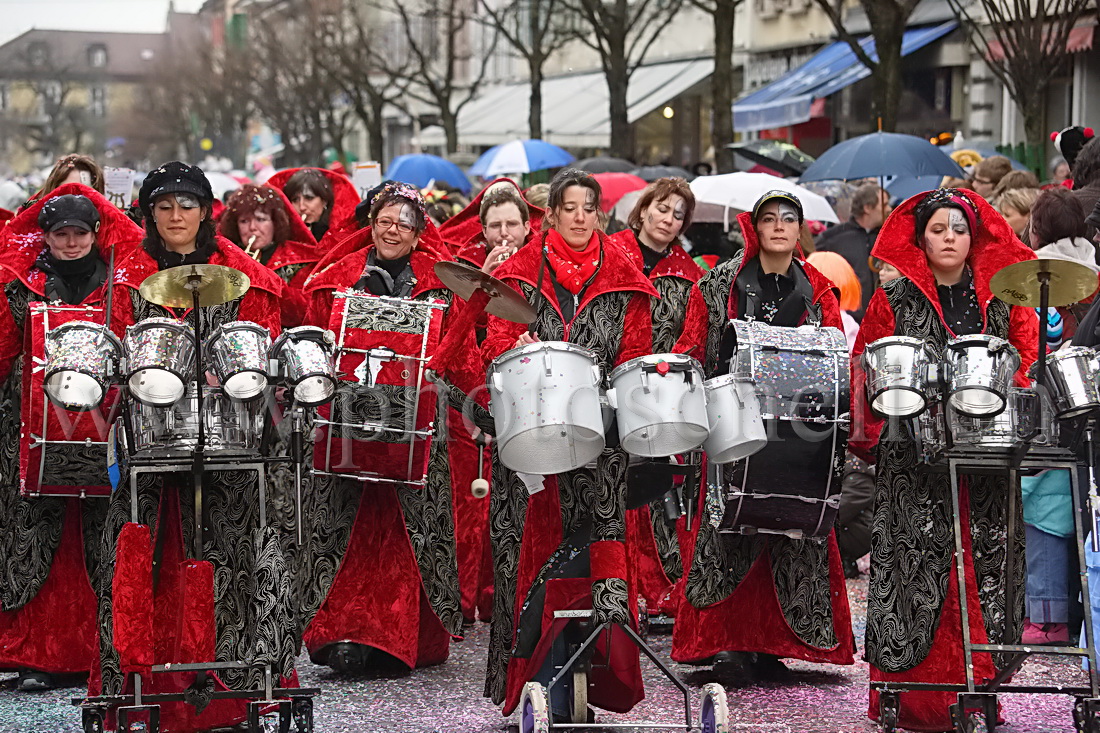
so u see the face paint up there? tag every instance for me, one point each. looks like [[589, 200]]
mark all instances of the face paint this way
[[680, 210], [86, 178], [308, 192], [787, 213], [406, 216], [957, 221], [590, 199], [187, 201]]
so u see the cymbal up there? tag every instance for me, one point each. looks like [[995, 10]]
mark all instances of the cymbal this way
[[1019, 283], [175, 286], [504, 302]]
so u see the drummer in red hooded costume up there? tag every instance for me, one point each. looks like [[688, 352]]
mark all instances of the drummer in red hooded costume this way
[[379, 583], [228, 604], [484, 234], [947, 244], [559, 540], [755, 598], [261, 221], [325, 200], [55, 250], [679, 316]]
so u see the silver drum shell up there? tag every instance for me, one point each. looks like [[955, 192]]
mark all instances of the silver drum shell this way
[[736, 427], [659, 414]]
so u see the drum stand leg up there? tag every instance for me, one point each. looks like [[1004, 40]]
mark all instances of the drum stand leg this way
[[960, 570], [296, 455]]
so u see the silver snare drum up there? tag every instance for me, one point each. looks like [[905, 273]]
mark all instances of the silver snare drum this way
[[238, 351], [978, 371], [1072, 373], [546, 405], [896, 369], [80, 360], [660, 404], [1024, 413], [160, 356], [736, 428]]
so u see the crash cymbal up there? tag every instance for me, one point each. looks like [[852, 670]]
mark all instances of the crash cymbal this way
[[174, 287], [504, 302], [1019, 283]]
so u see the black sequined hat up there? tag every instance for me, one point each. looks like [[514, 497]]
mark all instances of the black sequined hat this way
[[68, 211], [174, 177]]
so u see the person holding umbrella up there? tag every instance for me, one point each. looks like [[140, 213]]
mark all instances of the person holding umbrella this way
[[758, 598]]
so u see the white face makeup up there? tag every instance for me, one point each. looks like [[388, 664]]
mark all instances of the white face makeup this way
[[787, 213], [679, 210], [407, 216], [187, 201], [957, 221]]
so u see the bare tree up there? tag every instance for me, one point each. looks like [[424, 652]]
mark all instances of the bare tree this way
[[55, 123], [622, 32], [1024, 43], [535, 29], [888, 19], [370, 79], [445, 68], [721, 82]]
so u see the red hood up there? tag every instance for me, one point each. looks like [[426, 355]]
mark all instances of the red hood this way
[[349, 268], [677, 263], [819, 282], [465, 227], [995, 247], [299, 232], [617, 272], [5, 215], [138, 265], [22, 240], [344, 195], [430, 241]]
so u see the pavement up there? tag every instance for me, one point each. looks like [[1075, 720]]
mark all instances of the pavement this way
[[817, 698]]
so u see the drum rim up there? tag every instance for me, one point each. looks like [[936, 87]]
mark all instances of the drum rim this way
[[723, 379], [1071, 352], [976, 338], [104, 387], [925, 401], [223, 328], [542, 346], [170, 323], [980, 388], [627, 366]]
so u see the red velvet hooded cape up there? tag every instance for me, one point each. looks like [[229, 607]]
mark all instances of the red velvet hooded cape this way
[[341, 220], [463, 231]]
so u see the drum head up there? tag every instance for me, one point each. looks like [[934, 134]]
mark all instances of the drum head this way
[[73, 390], [156, 387]]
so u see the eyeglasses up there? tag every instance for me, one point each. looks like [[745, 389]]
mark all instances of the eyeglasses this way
[[382, 225], [983, 181]]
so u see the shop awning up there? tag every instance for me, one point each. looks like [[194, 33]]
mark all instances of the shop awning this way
[[574, 107], [790, 99], [1078, 39]]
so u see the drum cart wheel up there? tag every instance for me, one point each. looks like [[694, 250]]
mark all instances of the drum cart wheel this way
[[714, 714], [93, 719], [533, 715], [261, 720], [579, 713], [975, 712], [1086, 715], [302, 708], [889, 705]]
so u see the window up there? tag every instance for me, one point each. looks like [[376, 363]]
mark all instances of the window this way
[[97, 56], [97, 101]]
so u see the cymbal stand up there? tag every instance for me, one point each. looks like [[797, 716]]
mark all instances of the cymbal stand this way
[[193, 282]]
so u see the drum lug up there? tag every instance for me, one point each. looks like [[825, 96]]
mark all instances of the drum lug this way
[[612, 398]]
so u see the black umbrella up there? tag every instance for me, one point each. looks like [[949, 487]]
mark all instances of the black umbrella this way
[[882, 154], [780, 156], [605, 165], [651, 173]]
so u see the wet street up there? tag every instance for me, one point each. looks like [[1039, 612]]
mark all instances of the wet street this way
[[447, 699]]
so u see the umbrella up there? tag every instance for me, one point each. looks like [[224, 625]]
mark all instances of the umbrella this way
[[988, 151], [605, 165], [905, 187], [716, 195], [421, 169], [520, 156], [881, 155], [615, 185], [653, 172], [779, 155], [220, 183]]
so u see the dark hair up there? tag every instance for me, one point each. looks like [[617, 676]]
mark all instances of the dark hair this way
[[503, 193], [206, 237], [562, 180], [993, 168], [660, 190], [1057, 214], [1086, 169], [866, 195], [400, 193], [944, 198], [317, 183], [65, 165], [1015, 179], [246, 201]]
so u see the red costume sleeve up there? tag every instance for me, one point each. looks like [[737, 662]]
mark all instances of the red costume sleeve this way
[[878, 323], [1023, 333], [11, 340], [693, 338], [830, 310], [294, 304], [122, 310], [262, 308], [638, 331], [500, 336], [320, 307]]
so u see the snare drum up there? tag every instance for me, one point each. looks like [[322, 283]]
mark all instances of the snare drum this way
[[160, 356], [978, 372], [792, 485], [305, 362], [62, 453], [1073, 373], [1024, 413], [546, 405], [380, 426], [238, 351], [230, 427], [660, 405], [896, 368], [736, 428], [80, 359]]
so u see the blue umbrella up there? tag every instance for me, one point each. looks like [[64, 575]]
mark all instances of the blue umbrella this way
[[422, 169], [520, 156], [881, 155], [905, 187]]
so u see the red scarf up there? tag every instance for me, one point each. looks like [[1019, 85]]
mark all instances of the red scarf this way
[[571, 268]]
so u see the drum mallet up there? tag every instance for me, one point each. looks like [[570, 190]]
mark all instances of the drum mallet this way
[[479, 487]]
